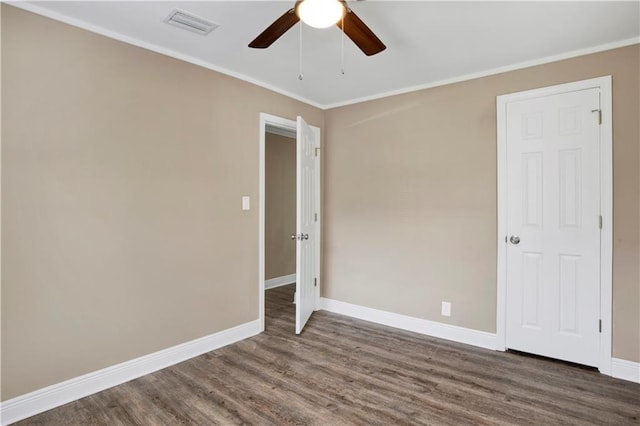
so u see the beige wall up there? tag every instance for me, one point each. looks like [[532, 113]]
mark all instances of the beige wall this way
[[122, 177], [410, 197], [280, 206]]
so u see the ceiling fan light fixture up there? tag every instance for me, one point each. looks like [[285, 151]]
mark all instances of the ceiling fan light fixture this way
[[320, 13]]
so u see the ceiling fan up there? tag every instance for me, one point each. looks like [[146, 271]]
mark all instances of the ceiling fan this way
[[322, 14]]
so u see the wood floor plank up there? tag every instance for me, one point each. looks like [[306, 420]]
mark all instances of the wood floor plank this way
[[344, 371]]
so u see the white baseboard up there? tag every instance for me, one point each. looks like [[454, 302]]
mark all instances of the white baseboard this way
[[626, 370], [44, 399], [430, 328], [279, 281]]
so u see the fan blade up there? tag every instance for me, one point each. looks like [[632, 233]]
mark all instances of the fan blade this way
[[360, 34], [275, 30]]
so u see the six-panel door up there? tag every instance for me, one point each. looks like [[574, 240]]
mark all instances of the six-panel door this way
[[553, 210]]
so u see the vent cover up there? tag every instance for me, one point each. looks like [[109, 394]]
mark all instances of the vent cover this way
[[190, 22]]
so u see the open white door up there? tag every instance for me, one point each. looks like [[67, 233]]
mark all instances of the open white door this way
[[307, 256]]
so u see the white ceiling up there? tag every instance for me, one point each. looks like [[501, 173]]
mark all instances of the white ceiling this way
[[428, 43]]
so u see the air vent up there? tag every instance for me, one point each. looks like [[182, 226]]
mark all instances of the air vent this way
[[190, 22]]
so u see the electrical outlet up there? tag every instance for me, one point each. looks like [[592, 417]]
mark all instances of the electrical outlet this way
[[446, 309]]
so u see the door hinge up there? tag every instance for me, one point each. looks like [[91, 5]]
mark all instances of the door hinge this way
[[599, 111], [316, 152], [315, 216], [600, 326], [315, 282], [600, 222]]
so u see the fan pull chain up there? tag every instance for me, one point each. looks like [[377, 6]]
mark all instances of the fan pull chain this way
[[300, 55], [342, 47]]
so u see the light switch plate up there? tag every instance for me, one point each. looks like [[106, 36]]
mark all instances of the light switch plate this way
[[246, 202]]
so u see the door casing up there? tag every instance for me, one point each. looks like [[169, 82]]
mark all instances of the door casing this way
[[288, 128], [606, 207]]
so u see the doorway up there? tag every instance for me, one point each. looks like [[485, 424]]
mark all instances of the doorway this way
[[306, 233], [554, 222], [280, 225]]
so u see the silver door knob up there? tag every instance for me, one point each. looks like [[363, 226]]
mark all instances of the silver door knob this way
[[305, 236], [293, 236], [514, 239]]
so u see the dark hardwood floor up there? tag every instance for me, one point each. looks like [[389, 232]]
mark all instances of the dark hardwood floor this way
[[345, 371]]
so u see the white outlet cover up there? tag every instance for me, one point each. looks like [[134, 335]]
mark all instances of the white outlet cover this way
[[446, 309], [246, 203]]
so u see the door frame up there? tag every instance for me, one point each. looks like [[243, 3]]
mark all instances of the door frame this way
[[606, 207], [284, 127]]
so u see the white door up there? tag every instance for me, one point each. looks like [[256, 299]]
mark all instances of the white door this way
[[307, 256], [553, 226]]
